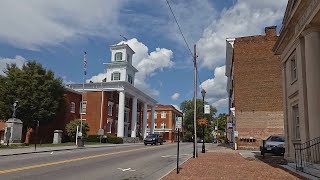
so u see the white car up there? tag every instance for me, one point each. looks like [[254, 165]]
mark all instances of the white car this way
[[274, 144]]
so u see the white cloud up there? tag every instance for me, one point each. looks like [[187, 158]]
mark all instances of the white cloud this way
[[175, 96], [34, 24], [246, 17], [147, 65], [216, 94], [18, 60]]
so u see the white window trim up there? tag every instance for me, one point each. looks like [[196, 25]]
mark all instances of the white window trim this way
[[72, 107], [81, 109], [155, 115], [163, 115]]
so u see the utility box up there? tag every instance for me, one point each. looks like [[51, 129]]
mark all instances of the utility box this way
[[57, 136]]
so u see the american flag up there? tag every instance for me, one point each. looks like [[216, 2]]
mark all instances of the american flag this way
[[85, 63]]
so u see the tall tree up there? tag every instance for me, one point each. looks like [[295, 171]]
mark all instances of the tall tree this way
[[187, 108], [39, 94]]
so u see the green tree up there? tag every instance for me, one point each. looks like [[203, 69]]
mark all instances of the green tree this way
[[39, 94], [187, 108], [71, 128]]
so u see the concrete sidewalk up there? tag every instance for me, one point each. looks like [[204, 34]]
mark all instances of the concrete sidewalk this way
[[30, 149]]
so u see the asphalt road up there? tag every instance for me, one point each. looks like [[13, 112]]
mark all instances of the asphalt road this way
[[121, 162]]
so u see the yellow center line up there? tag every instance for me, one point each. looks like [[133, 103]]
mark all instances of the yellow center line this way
[[71, 160]]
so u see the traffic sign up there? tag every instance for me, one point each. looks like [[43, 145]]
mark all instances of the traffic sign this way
[[101, 132], [179, 122]]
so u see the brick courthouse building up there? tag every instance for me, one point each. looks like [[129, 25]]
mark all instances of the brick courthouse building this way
[[254, 88], [114, 104]]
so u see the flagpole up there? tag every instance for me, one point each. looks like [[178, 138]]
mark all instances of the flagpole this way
[[83, 77]]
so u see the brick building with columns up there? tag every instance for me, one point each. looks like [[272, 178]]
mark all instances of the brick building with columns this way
[[114, 104]]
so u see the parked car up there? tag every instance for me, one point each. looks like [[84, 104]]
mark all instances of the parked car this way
[[153, 139], [274, 144]]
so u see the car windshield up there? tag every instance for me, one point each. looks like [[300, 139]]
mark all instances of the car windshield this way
[[152, 136], [277, 139]]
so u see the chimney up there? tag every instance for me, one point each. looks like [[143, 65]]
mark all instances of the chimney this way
[[271, 31]]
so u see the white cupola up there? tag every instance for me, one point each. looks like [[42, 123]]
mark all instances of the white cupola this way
[[120, 68]]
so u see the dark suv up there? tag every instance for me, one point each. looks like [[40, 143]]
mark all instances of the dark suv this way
[[153, 139]]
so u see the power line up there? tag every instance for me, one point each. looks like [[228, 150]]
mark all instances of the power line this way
[[179, 28]]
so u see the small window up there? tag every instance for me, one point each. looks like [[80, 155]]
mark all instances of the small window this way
[[118, 56], [147, 115], [155, 125], [72, 107], [294, 75], [163, 115], [155, 115], [115, 76], [130, 79], [295, 113], [110, 107], [83, 107], [163, 125]]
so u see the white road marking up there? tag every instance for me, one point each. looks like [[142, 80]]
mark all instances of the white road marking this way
[[128, 169]]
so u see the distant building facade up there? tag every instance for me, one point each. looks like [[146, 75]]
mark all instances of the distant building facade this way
[[165, 121], [299, 48], [254, 89]]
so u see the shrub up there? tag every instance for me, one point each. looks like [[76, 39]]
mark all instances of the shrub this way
[[93, 138], [71, 128], [114, 139]]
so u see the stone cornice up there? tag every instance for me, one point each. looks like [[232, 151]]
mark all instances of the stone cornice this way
[[120, 65]]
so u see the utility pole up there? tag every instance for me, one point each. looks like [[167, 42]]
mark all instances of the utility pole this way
[[195, 151]]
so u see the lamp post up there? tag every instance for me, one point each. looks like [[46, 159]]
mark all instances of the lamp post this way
[[203, 92]]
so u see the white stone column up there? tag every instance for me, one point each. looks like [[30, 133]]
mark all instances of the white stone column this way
[[120, 132], [312, 55], [144, 124], [152, 120], [134, 117]]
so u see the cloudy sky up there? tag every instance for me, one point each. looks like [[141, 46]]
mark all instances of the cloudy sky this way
[[56, 33]]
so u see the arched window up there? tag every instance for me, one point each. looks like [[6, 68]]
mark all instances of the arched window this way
[[115, 76], [118, 56]]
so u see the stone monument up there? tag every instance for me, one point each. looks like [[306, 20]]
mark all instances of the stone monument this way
[[13, 129]]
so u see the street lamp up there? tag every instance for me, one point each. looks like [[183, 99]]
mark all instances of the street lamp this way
[[203, 92]]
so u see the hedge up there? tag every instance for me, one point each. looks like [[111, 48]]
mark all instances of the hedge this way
[[105, 139]]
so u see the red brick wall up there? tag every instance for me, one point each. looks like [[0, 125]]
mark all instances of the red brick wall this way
[[257, 87], [45, 132]]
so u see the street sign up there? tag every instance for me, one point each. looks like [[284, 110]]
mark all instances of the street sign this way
[[207, 109], [179, 122], [203, 121], [101, 132]]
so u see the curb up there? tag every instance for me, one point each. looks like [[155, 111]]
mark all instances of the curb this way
[[65, 149], [175, 167]]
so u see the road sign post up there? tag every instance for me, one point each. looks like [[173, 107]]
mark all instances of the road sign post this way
[[178, 126]]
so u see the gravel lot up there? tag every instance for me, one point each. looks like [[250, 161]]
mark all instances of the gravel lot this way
[[223, 163]]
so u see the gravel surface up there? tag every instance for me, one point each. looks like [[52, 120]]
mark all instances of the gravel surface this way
[[223, 163]]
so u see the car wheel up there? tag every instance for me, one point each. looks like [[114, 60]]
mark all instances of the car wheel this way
[[145, 144], [161, 143]]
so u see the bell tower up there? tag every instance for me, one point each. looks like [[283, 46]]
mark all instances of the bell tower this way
[[120, 68]]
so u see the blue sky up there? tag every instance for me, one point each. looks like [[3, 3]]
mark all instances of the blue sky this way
[[57, 33]]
